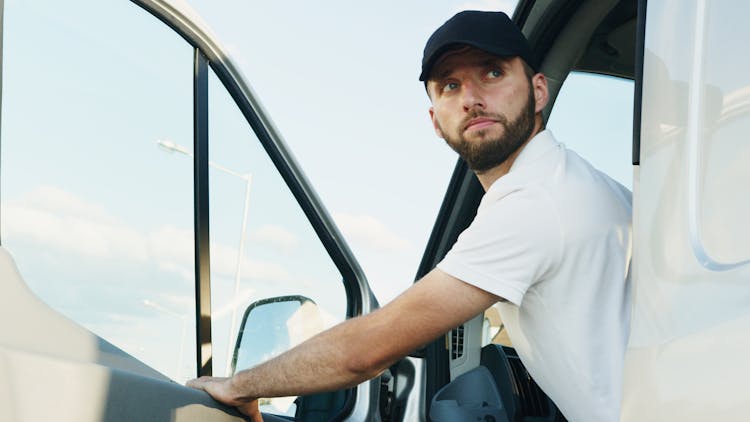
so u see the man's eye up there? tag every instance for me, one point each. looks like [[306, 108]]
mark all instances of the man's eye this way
[[494, 73], [450, 86]]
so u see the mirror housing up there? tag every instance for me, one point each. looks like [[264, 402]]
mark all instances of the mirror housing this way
[[272, 326]]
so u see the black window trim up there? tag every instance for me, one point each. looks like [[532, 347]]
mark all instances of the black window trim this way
[[640, 46], [204, 358], [2, 31]]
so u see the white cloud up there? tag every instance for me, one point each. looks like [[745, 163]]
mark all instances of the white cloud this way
[[388, 259], [181, 304], [224, 262], [61, 202], [368, 232], [236, 303], [56, 219], [181, 270], [277, 236], [172, 248], [390, 274], [506, 6]]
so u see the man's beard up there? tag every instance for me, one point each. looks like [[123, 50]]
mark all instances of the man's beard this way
[[483, 155]]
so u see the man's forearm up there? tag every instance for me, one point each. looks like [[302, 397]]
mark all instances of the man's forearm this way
[[357, 349], [333, 360]]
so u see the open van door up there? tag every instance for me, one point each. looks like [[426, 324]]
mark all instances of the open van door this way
[[147, 202]]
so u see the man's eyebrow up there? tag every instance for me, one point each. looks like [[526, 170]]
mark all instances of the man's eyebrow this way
[[441, 72], [444, 73], [502, 62]]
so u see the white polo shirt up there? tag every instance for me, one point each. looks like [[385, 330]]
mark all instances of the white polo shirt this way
[[553, 238]]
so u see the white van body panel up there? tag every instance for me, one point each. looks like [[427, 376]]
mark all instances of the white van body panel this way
[[691, 314]]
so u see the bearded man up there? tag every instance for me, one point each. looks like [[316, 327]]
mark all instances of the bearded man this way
[[550, 243]]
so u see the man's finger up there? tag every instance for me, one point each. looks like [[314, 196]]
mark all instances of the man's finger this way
[[252, 410], [197, 383]]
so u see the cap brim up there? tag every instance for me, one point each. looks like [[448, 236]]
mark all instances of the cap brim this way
[[439, 51]]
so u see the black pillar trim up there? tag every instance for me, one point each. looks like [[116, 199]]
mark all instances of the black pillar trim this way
[[2, 21], [200, 206], [640, 49]]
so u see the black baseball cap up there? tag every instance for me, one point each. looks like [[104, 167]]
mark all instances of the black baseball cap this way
[[492, 32]]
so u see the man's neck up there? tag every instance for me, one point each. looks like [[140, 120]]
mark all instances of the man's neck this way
[[487, 178]]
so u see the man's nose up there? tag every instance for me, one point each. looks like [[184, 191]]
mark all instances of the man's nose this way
[[471, 95]]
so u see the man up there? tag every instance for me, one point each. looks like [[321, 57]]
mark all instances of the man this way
[[550, 243]]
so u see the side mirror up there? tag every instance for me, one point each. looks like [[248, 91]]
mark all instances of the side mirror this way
[[272, 326]]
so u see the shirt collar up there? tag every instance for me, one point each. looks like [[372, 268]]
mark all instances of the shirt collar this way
[[539, 145], [542, 143]]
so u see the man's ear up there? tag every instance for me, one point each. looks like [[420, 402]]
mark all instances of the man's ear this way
[[541, 93], [435, 125]]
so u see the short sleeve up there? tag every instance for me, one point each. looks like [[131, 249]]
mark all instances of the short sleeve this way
[[512, 243]]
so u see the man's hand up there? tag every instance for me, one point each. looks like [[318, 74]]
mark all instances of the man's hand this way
[[220, 388]]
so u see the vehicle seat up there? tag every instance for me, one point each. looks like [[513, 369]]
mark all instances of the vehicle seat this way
[[498, 390]]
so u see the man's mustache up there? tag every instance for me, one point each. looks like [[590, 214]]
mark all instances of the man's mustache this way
[[475, 114]]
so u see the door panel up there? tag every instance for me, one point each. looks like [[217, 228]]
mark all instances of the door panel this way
[[45, 388]]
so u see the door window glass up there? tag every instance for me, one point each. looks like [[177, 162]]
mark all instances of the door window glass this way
[[721, 170], [262, 244], [593, 116], [97, 217]]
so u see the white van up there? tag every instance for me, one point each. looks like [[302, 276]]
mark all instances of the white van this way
[[121, 279]]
